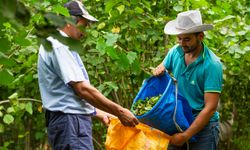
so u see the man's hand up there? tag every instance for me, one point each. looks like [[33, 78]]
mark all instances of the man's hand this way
[[127, 118], [104, 117], [159, 70], [179, 139]]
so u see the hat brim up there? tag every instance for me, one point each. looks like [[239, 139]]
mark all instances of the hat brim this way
[[89, 17], [170, 28]]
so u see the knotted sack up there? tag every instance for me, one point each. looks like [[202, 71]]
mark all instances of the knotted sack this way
[[141, 137]]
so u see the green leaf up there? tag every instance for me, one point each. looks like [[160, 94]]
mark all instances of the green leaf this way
[[247, 36], [39, 135], [73, 44], [223, 30], [123, 62], [139, 10], [8, 119], [101, 26], [10, 110], [147, 5], [112, 85], [1, 128], [21, 136], [247, 48], [199, 3], [231, 33], [22, 106], [111, 38], [242, 32], [46, 44], [94, 33], [136, 67], [5, 44], [22, 41], [112, 52], [101, 46], [13, 96], [61, 10], [7, 62], [6, 77], [131, 57], [28, 108], [101, 87], [178, 8], [55, 19], [109, 4], [121, 8]]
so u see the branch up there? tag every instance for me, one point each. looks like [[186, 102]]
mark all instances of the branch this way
[[21, 99]]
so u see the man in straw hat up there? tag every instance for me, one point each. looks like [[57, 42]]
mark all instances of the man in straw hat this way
[[67, 95], [199, 74]]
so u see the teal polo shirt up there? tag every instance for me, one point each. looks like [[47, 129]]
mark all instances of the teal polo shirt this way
[[201, 76]]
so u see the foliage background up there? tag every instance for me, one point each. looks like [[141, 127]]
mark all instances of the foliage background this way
[[118, 52]]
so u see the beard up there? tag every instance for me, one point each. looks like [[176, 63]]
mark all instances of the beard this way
[[193, 48]]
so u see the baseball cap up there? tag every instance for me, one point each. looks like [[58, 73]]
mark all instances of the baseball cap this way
[[76, 8]]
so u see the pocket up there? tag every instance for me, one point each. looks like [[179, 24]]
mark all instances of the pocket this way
[[84, 126], [46, 118], [56, 134], [57, 128], [216, 132]]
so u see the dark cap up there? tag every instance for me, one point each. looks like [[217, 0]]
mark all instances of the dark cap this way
[[76, 8]]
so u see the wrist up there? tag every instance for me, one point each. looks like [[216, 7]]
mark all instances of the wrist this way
[[118, 111], [186, 136]]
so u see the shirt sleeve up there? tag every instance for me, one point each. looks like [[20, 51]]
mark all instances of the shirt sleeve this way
[[66, 66], [213, 77]]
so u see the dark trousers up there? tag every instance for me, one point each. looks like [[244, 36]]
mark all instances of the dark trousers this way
[[207, 139], [69, 131]]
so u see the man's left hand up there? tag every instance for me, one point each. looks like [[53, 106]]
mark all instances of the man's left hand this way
[[104, 117], [178, 139]]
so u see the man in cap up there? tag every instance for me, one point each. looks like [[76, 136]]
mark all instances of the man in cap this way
[[199, 74], [67, 95]]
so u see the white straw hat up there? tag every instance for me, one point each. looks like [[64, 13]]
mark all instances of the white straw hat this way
[[187, 22]]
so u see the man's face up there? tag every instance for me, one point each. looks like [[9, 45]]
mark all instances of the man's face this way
[[190, 42], [77, 31]]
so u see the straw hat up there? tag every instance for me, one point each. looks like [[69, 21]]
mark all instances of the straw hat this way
[[187, 22]]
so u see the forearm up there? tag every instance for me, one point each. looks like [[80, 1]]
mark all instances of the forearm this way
[[95, 98], [200, 122], [89, 93], [211, 103]]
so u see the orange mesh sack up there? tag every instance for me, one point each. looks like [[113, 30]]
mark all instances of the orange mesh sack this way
[[141, 137]]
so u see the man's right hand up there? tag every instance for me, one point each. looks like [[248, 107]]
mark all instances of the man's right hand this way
[[127, 118], [159, 70]]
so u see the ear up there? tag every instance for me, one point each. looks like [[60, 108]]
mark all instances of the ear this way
[[201, 36], [69, 25]]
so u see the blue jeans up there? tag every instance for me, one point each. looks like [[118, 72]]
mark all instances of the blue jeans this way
[[69, 131], [207, 139]]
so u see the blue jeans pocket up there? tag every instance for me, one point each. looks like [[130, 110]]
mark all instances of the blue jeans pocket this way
[[215, 131], [56, 135]]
